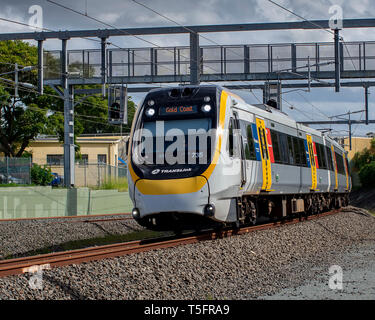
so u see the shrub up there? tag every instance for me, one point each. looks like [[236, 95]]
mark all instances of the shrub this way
[[367, 175], [41, 176]]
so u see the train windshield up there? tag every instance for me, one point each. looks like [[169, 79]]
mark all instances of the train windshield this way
[[174, 142], [175, 132]]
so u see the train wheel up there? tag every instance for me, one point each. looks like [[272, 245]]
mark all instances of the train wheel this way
[[236, 225], [252, 213], [337, 202]]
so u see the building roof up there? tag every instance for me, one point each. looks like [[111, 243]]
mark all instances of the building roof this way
[[83, 138]]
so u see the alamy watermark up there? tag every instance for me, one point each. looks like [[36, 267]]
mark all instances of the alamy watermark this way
[[36, 279], [36, 19], [335, 20], [335, 280]]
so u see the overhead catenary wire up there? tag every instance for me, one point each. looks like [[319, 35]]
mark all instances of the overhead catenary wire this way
[[96, 40], [97, 20], [297, 15], [192, 31], [127, 33], [57, 96], [320, 27], [212, 41], [79, 115], [293, 107], [40, 28]]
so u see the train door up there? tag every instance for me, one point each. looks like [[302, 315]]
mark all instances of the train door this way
[[241, 149], [310, 148], [234, 168], [335, 167], [265, 157]]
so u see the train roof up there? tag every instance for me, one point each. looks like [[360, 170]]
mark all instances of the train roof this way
[[277, 115], [244, 98]]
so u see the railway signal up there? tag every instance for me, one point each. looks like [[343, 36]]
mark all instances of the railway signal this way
[[117, 105]]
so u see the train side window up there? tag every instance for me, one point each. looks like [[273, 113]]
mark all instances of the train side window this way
[[250, 146], [297, 151], [303, 152], [276, 146], [283, 148], [322, 156], [291, 156], [230, 138], [319, 155], [340, 163], [329, 158]]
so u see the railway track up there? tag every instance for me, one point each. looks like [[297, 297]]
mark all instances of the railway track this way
[[72, 218], [57, 259]]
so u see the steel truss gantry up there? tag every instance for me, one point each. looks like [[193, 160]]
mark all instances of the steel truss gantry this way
[[195, 75]]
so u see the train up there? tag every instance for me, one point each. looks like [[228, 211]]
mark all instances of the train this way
[[204, 156]]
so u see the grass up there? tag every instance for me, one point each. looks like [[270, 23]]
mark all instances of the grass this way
[[7, 185], [121, 184], [99, 241]]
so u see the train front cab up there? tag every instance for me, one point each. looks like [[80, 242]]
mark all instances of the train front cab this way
[[161, 191]]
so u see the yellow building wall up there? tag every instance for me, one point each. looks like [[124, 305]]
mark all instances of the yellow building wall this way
[[85, 175], [40, 150], [358, 144]]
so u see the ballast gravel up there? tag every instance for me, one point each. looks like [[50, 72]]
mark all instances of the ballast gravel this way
[[255, 265], [21, 237]]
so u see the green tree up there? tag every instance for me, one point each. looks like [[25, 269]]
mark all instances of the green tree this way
[[364, 163], [366, 156], [367, 175], [23, 118]]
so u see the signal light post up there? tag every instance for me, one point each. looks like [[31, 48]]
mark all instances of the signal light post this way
[[117, 105]]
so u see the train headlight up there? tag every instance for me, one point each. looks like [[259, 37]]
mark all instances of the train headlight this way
[[209, 210], [150, 102], [206, 108], [135, 213], [150, 112], [207, 99]]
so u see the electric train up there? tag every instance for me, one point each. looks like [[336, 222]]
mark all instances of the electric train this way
[[201, 155]]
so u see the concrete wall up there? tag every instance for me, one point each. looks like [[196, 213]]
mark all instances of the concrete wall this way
[[35, 202]]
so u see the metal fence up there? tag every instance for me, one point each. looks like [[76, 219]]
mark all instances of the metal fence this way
[[15, 170], [231, 59], [91, 174]]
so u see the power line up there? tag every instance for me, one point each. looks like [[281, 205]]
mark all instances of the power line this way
[[96, 40], [40, 28], [297, 15], [281, 93], [192, 31], [57, 96], [78, 115], [126, 33], [342, 39]]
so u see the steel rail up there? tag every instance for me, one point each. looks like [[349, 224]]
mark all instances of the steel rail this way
[[71, 217], [57, 259]]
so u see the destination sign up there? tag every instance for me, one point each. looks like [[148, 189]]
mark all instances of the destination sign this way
[[177, 110]]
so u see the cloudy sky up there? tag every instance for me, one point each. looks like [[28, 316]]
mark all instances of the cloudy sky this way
[[127, 13]]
